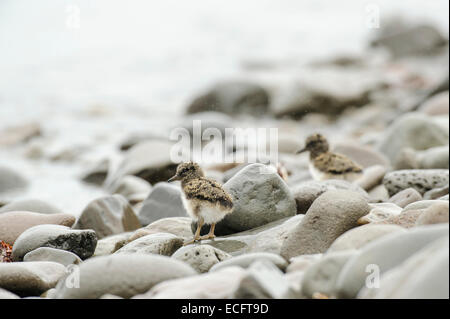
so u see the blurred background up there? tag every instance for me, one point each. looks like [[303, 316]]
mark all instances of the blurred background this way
[[83, 75]]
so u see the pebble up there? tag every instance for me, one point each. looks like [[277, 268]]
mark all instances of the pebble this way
[[97, 174], [422, 204], [110, 244], [435, 157], [372, 176], [436, 193], [403, 134], [264, 280], [380, 212], [260, 196], [123, 275], [424, 275], [13, 224], [302, 262], [30, 278], [234, 97], [133, 188], [436, 105], [107, 216], [60, 256], [358, 237], [11, 180], [330, 215], [406, 219], [435, 214], [306, 193], [80, 242], [386, 253], [164, 201], [217, 285], [19, 134], [5, 294], [405, 197], [378, 194], [201, 257], [178, 226], [160, 244], [31, 205], [155, 168], [246, 260], [321, 277], [422, 180]]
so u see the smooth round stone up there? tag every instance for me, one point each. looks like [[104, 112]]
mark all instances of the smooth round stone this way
[[422, 204], [60, 256], [424, 275], [264, 280], [378, 194], [380, 212], [362, 155], [358, 237], [110, 244], [435, 214], [403, 134], [149, 160], [11, 180], [31, 205], [160, 244], [178, 226], [123, 275], [306, 193], [405, 197], [406, 219], [436, 193], [302, 262], [260, 196], [97, 174], [321, 277], [436, 105], [421, 180], [108, 215], [217, 285], [435, 157], [232, 97], [386, 253], [80, 242], [13, 224], [372, 176], [31, 278], [201, 257], [246, 260], [5, 294], [164, 201], [330, 215], [131, 187]]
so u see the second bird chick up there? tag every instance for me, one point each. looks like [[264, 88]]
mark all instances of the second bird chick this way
[[204, 199]]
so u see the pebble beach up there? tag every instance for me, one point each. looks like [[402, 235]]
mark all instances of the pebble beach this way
[[88, 107]]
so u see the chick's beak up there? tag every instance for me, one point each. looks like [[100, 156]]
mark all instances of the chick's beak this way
[[301, 151], [173, 178]]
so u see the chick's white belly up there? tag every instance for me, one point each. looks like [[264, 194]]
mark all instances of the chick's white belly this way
[[210, 213], [322, 176]]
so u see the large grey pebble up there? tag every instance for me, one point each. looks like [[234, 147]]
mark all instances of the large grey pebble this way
[[422, 180], [60, 256], [108, 215], [31, 278], [80, 242], [246, 260], [160, 244], [306, 193], [123, 275], [260, 196], [385, 253], [332, 214], [164, 201], [201, 257]]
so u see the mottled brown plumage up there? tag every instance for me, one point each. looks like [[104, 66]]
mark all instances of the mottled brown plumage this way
[[327, 165], [204, 199]]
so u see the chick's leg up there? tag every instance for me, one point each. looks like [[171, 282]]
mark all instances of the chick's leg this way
[[200, 223]]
